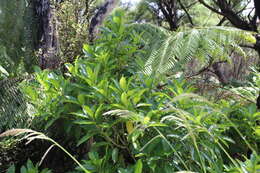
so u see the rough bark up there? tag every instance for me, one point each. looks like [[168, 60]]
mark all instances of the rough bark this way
[[219, 73], [257, 7], [48, 42], [257, 11], [258, 101], [99, 17], [169, 10], [234, 17]]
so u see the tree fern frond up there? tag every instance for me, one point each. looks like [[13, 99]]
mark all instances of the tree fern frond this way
[[168, 50]]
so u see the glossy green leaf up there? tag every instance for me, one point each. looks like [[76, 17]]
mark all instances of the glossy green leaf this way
[[81, 99], [123, 83], [138, 166], [115, 155], [11, 169], [23, 169], [87, 110], [124, 99], [2, 70], [85, 138], [98, 111], [84, 122]]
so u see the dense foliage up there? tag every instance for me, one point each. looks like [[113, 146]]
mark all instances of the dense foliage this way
[[16, 52], [128, 104]]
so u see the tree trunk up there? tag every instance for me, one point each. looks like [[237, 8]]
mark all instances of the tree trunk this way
[[257, 48], [47, 32], [99, 17], [257, 7], [218, 71]]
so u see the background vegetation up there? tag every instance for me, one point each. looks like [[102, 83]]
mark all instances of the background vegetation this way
[[169, 86]]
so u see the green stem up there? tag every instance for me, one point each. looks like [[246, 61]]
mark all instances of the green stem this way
[[72, 157], [186, 167]]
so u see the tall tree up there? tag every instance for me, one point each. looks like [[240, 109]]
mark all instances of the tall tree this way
[[170, 11], [239, 13]]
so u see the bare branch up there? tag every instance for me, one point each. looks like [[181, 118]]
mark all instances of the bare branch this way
[[186, 11], [211, 8], [221, 21], [232, 16]]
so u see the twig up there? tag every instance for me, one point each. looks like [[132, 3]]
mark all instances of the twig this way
[[186, 11]]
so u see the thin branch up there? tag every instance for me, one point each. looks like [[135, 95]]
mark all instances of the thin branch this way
[[221, 21], [207, 68], [244, 8], [211, 8], [204, 69], [186, 11], [230, 14], [190, 5]]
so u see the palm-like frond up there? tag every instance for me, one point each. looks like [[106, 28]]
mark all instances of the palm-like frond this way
[[168, 51], [250, 90]]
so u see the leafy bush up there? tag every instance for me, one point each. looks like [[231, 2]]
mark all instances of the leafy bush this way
[[169, 52], [140, 123], [72, 28], [29, 168]]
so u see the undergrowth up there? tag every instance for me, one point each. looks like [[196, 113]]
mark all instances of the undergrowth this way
[[135, 122]]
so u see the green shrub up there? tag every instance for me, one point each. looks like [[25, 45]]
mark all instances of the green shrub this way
[[139, 123], [72, 32], [28, 168]]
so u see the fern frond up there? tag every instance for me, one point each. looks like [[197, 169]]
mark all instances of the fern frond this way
[[167, 51]]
